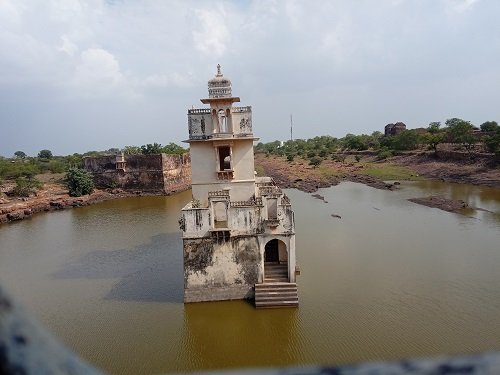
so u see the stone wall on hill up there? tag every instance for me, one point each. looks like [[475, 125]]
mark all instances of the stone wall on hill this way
[[149, 173]]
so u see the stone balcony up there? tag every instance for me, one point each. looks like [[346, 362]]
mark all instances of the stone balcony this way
[[225, 175]]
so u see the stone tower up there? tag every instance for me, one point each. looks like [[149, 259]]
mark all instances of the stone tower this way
[[238, 230]]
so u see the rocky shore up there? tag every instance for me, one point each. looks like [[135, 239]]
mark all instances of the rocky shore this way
[[53, 198]]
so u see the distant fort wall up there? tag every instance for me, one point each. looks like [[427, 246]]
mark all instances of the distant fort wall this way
[[150, 173]]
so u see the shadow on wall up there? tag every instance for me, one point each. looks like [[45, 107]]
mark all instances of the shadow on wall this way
[[152, 272]]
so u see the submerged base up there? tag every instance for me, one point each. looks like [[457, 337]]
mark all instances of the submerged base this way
[[204, 294]]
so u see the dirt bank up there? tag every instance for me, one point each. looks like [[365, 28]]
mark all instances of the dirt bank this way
[[300, 175], [52, 197], [482, 171]]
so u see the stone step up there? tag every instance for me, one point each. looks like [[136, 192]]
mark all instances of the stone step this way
[[276, 280], [275, 285], [274, 304], [276, 294]]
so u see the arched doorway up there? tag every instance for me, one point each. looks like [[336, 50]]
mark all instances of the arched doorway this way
[[275, 262]]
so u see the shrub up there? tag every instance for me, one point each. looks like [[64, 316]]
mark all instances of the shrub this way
[[311, 154], [338, 157], [358, 158], [79, 182], [384, 154], [315, 161], [26, 186], [289, 157]]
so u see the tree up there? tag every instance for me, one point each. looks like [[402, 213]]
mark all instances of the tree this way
[[79, 182], [45, 154], [150, 149], [173, 149], [20, 154], [460, 132], [489, 126], [433, 139], [407, 140], [493, 142], [132, 150], [434, 127], [356, 142]]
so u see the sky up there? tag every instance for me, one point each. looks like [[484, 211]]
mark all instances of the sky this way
[[82, 75]]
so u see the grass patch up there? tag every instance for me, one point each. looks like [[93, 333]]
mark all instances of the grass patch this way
[[327, 171], [386, 171]]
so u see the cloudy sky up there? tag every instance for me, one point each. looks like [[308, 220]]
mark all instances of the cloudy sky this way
[[80, 75]]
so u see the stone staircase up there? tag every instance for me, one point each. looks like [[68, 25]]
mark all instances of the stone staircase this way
[[276, 291], [274, 295], [276, 272]]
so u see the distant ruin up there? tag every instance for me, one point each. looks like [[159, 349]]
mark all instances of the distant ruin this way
[[158, 173], [394, 129]]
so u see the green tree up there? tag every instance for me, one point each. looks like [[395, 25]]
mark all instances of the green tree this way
[[45, 154], [132, 150], [356, 142], [493, 142], [460, 131], [489, 126], [407, 140], [433, 140], [434, 127], [20, 154], [150, 149], [174, 149], [79, 182]]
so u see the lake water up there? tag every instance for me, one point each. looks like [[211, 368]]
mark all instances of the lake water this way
[[390, 279]]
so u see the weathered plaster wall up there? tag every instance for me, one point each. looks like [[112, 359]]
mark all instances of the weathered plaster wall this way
[[153, 173], [243, 160], [221, 269]]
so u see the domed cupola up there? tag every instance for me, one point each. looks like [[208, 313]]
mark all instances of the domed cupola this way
[[219, 87]]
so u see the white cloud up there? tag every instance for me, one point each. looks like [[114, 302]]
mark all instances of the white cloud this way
[[461, 6], [161, 81], [11, 12], [211, 34], [67, 46], [98, 74]]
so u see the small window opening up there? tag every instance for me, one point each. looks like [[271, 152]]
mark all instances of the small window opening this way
[[224, 158], [272, 209]]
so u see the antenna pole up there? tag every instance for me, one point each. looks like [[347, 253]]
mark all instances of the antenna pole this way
[[291, 128]]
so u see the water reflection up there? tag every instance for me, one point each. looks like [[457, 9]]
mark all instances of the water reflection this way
[[151, 272], [234, 334]]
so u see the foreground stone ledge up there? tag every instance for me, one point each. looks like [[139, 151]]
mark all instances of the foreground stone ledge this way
[[27, 348], [481, 364]]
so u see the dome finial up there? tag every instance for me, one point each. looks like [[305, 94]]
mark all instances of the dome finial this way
[[218, 70]]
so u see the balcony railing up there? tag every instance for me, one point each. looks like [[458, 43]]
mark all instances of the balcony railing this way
[[199, 111], [225, 175], [218, 193], [270, 190], [241, 109]]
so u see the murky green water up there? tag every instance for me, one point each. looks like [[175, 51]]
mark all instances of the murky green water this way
[[391, 279]]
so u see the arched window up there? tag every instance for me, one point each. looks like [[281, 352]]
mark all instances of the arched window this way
[[222, 121]]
